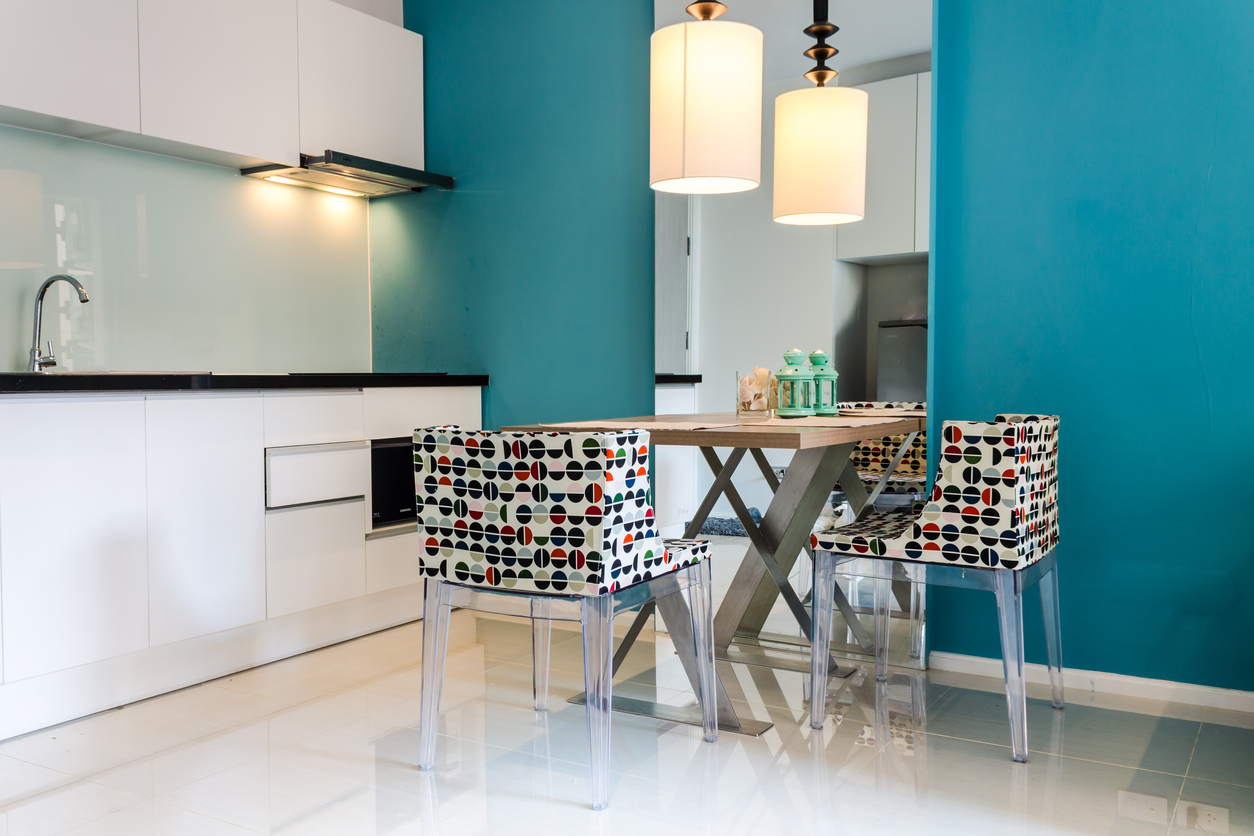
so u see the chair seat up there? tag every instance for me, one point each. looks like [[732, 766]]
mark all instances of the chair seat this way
[[681, 553], [871, 536], [897, 483]]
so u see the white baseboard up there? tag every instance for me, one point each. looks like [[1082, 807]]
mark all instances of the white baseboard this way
[[1103, 683], [52, 698]]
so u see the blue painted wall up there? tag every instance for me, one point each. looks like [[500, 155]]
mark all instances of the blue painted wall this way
[[1093, 256], [538, 268]]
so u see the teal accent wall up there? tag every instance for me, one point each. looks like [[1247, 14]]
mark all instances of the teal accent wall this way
[[1093, 252], [538, 268]]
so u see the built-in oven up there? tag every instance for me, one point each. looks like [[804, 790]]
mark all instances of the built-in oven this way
[[392, 481]]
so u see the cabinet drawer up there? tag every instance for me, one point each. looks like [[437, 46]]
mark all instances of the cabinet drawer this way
[[313, 418], [316, 473], [392, 561], [315, 555]]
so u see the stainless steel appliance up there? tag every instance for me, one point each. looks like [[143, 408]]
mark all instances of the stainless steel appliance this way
[[392, 482], [901, 367]]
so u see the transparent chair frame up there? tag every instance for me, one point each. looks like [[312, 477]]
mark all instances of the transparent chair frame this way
[[1007, 584], [596, 615]]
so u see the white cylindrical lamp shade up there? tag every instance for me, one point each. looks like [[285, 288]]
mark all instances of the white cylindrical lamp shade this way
[[705, 108], [820, 156]]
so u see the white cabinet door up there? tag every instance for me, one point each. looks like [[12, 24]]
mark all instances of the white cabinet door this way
[[206, 514], [73, 531], [674, 468], [360, 85], [76, 60], [392, 561], [313, 417], [888, 228], [222, 75], [391, 413], [923, 166], [315, 555]]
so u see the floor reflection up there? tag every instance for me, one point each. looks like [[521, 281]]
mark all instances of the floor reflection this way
[[325, 743]]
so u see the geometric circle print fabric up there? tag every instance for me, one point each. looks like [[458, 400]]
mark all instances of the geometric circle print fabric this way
[[994, 503], [559, 513]]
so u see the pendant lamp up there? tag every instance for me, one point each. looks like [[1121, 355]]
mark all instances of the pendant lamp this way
[[705, 105], [820, 143]]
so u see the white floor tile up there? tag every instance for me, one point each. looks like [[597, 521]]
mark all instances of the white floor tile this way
[[61, 809], [326, 744]]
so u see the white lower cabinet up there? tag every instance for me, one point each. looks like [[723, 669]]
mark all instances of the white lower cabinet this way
[[73, 531], [315, 555], [206, 515], [392, 562]]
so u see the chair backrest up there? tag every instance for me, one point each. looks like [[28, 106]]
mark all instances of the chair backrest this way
[[874, 455], [562, 513], [994, 502]]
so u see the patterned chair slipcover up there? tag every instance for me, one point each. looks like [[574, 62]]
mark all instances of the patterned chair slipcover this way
[[564, 522], [541, 512], [872, 457], [994, 503], [993, 507]]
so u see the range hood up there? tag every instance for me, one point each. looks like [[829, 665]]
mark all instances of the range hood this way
[[346, 174]]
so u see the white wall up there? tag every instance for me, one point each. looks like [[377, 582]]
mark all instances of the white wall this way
[[760, 288]]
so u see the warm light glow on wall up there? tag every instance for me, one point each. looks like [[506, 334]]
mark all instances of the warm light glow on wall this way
[[705, 108], [820, 156], [287, 181]]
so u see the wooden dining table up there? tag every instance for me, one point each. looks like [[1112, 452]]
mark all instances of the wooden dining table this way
[[821, 459]]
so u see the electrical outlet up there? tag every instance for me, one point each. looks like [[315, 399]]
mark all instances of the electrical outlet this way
[[1204, 817], [1151, 808]]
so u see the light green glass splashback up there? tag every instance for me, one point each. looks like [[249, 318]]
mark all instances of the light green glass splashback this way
[[189, 266]]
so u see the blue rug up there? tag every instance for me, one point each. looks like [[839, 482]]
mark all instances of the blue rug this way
[[728, 527]]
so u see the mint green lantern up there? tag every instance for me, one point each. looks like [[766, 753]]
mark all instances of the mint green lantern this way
[[824, 383], [796, 386]]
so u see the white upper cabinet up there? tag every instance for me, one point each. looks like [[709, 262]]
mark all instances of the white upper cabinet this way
[[923, 166], [360, 85], [73, 531], [888, 227], [222, 75], [74, 61], [206, 520]]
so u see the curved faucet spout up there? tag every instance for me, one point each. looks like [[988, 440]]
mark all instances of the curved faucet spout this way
[[37, 361]]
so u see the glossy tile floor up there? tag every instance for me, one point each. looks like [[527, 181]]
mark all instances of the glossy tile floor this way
[[324, 744]]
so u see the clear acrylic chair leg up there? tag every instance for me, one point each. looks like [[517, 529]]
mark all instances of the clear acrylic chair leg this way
[[1053, 635], [541, 641], [821, 641], [1010, 618], [598, 670], [881, 604], [918, 608], [435, 618], [701, 605]]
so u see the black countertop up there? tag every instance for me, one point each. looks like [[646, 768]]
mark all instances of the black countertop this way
[[11, 382], [664, 378]]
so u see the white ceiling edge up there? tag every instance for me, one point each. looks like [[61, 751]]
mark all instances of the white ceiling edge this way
[[870, 30], [393, 11]]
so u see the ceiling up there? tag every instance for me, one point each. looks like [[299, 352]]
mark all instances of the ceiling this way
[[870, 30]]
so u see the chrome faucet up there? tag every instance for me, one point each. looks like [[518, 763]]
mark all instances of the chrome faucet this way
[[38, 362]]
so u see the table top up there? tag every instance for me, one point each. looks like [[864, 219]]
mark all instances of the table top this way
[[675, 430]]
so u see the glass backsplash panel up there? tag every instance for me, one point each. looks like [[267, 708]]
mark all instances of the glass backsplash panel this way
[[190, 267]]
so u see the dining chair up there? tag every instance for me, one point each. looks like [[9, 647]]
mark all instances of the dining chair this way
[[873, 457], [990, 522], [904, 474], [551, 527]]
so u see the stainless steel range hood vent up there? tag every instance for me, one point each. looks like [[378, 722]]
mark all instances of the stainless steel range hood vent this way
[[345, 174]]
